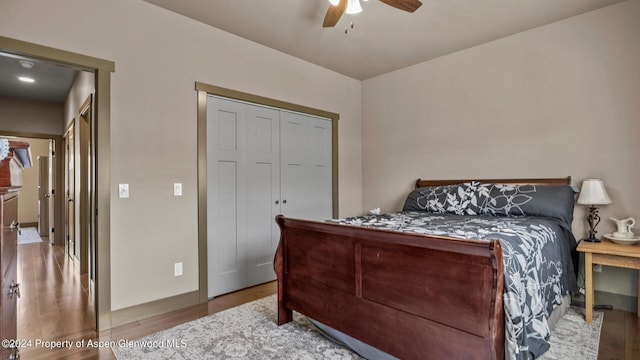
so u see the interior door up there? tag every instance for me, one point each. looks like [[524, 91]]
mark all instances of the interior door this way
[[226, 196], [263, 191], [52, 195], [306, 169], [43, 196], [69, 175], [83, 208]]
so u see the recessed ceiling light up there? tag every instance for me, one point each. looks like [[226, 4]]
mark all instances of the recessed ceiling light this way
[[26, 64], [26, 79]]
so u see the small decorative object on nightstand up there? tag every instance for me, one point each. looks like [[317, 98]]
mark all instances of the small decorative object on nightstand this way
[[624, 227], [593, 193], [624, 235]]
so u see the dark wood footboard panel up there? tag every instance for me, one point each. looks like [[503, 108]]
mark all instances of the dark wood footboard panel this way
[[410, 295]]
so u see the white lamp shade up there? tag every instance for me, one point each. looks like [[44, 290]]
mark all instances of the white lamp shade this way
[[593, 193], [353, 7]]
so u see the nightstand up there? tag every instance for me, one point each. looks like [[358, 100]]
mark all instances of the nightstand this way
[[611, 254]]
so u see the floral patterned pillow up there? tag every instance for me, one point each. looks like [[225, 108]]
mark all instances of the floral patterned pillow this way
[[477, 198], [551, 201], [505, 199], [462, 199]]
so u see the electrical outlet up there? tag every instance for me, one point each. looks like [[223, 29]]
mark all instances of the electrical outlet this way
[[177, 269], [177, 189], [597, 268], [123, 190]]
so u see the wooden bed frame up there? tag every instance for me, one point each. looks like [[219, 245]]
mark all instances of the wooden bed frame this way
[[413, 296]]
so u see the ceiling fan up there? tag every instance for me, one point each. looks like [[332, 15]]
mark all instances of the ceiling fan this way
[[339, 7]]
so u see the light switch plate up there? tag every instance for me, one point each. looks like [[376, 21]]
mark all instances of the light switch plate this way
[[177, 269], [123, 191], [177, 189]]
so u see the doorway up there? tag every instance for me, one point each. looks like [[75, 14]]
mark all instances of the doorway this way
[[78, 170], [84, 243], [99, 152], [39, 207], [70, 190], [44, 192]]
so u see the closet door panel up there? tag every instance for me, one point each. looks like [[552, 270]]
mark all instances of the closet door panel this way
[[320, 146], [293, 145], [263, 191], [294, 179], [227, 222], [226, 198], [306, 166]]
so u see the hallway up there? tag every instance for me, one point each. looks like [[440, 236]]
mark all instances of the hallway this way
[[55, 303]]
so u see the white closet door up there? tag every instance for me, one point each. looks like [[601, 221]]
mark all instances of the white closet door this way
[[320, 167], [305, 144], [263, 191], [226, 198], [260, 162]]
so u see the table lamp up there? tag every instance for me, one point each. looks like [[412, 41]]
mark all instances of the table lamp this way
[[593, 193]]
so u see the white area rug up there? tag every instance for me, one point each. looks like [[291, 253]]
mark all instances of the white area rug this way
[[573, 338], [28, 236], [249, 331]]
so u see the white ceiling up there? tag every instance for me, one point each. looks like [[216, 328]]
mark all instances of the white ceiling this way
[[384, 38], [52, 81]]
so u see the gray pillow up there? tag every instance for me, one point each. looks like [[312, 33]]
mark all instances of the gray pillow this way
[[551, 201], [475, 198], [461, 199]]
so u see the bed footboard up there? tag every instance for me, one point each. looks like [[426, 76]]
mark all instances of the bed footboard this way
[[412, 296]]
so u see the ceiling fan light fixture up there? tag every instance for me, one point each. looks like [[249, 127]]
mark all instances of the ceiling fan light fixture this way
[[353, 7], [334, 2], [26, 64], [26, 79]]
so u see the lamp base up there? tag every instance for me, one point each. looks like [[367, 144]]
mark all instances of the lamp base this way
[[593, 219], [592, 239]]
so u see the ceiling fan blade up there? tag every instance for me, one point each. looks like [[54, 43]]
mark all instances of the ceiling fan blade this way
[[406, 5], [334, 13]]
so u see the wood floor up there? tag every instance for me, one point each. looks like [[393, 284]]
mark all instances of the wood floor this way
[[56, 305]]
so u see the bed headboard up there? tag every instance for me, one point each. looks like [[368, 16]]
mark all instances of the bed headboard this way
[[542, 181]]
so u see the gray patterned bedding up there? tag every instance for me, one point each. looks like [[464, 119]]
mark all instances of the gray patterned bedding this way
[[537, 250]]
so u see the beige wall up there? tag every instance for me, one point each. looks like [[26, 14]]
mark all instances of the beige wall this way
[[28, 116], [159, 56], [558, 100], [28, 199]]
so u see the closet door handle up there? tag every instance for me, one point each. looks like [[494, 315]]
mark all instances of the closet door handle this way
[[284, 201], [277, 202]]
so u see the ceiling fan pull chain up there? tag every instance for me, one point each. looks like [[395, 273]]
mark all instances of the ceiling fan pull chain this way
[[346, 29]]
